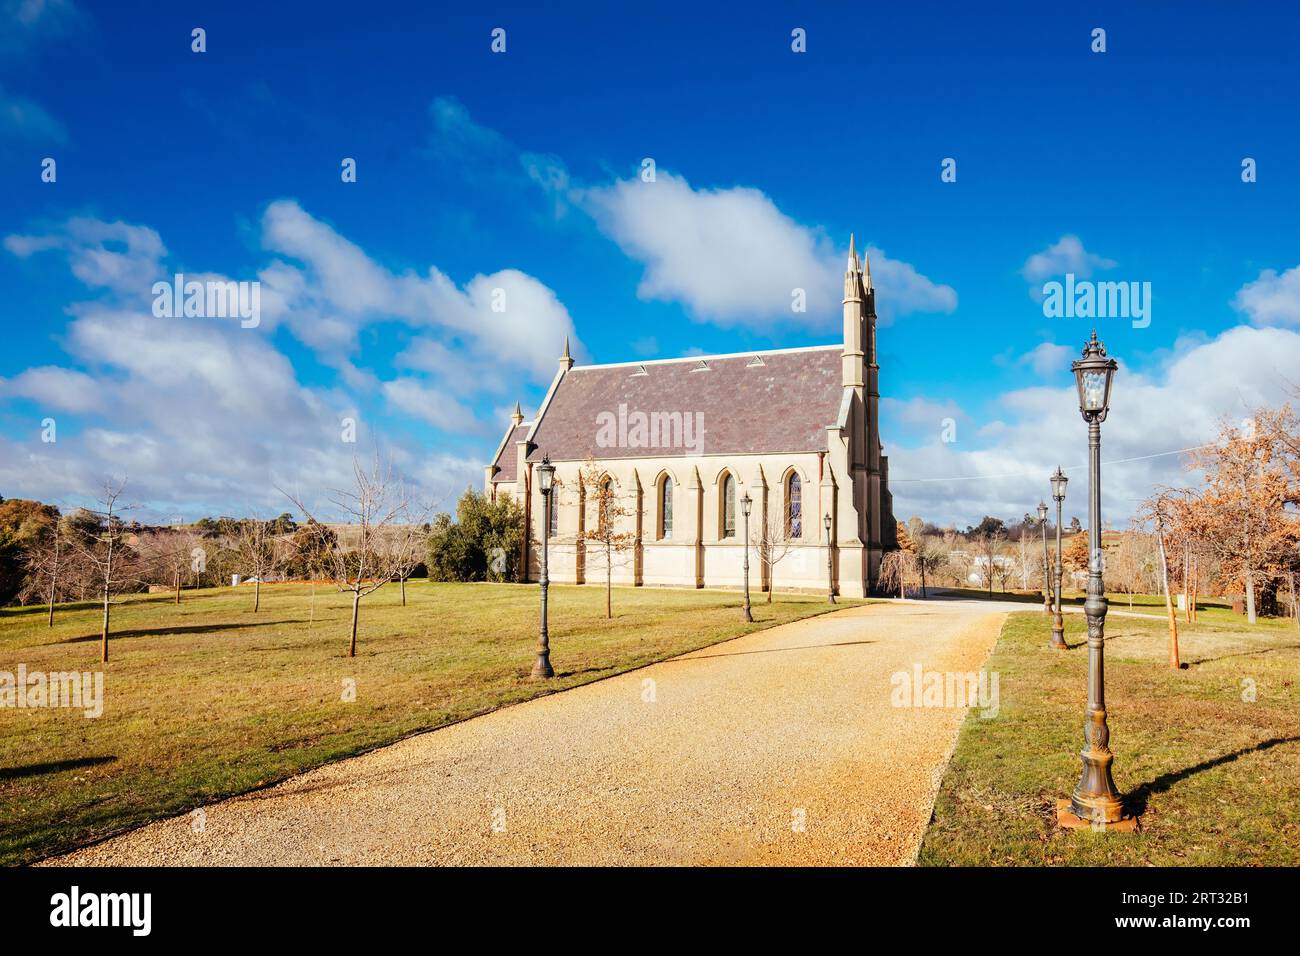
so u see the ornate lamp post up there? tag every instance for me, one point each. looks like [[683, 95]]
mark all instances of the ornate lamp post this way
[[830, 558], [1095, 799], [745, 504], [545, 482], [1047, 570], [1058, 623]]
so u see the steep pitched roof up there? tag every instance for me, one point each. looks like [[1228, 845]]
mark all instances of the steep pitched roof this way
[[749, 402], [507, 458]]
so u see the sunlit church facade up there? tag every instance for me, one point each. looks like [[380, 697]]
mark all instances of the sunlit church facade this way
[[682, 442]]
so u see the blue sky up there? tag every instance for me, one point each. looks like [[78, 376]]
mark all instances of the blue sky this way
[[520, 171]]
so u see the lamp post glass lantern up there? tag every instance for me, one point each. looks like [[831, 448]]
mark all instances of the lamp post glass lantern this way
[[830, 558], [1096, 797], [746, 503], [1058, 622], [545, 484]]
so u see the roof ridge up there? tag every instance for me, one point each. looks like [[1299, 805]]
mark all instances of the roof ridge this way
[[699, 358]]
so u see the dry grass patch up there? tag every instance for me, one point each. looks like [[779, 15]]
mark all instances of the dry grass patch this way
[[1215, 775], [207, 699]]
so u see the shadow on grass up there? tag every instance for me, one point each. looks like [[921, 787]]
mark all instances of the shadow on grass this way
[[974, 594], [1136, 801], [40, 769], [179, 629], [33, 610], [768, 650], [1228, 657]]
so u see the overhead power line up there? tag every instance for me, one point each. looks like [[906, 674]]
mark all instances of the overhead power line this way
[[1027, 472]]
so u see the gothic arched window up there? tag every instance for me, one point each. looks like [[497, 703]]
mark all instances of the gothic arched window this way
[[729, 506], [554, 505], [604, 504], [666, 508], [794, 506]]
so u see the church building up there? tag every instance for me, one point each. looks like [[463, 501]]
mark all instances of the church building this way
[[677, 445]]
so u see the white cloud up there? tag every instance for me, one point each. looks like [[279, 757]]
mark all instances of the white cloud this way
[[919, 415], [431, 405], [1066, 255], [1012, 447], [26, 23], [1271, 299], [203, 415], [58, 389], [732, 257], [24, 119], [1048, 358], [507, 318], [110, 255]]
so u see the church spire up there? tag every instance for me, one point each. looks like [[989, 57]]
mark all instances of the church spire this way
[[866, 271], [855, 311], [566, 360], [518, 417]]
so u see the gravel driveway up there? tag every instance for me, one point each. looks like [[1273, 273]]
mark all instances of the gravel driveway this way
[[781, 747]]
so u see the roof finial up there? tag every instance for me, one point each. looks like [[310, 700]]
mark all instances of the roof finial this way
[[866, 269], [853, 255], [566, 360], [518, 416]]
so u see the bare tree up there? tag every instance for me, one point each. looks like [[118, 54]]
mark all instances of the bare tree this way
[[772, 542], [47, 563], [103, 547], [414, 559], [897, 571], [1161, 520], [987, 546], [381, 534], [1004, 566], [254, 544], [171, 554], [600, 491], [931, 558]]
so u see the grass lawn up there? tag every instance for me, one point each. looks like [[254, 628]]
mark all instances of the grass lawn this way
[[1215, 777], [207, 699]]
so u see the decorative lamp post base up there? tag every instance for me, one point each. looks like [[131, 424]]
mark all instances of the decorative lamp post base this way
[[1067, 819], [1096, 798], [1058, 634], [542, 667]]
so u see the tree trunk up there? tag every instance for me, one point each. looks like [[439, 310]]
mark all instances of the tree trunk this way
[[609, 588], [403, 592], [178, 587], [1295, 608], [257, 593], [103, 639], [356, 607], [1196, 587], [1250, 596], [1169, 603], [54, 578], [1187, 595]]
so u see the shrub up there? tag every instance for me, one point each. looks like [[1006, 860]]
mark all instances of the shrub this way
[[482, 544]]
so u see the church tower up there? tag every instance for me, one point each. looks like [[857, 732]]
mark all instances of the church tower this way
[[861, 382]]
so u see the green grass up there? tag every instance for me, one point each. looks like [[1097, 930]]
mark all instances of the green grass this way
[[1215, 777], [207, 699]]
